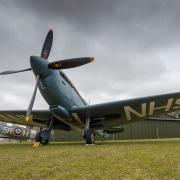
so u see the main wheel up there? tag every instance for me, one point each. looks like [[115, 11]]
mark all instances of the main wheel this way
[[42, 137], [89, 136]]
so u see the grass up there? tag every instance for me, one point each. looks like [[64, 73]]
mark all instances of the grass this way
[[147, 159]]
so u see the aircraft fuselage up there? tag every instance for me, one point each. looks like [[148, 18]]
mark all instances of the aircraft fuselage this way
[[58, 90]]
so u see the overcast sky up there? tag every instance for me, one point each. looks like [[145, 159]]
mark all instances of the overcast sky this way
[[136, 45]]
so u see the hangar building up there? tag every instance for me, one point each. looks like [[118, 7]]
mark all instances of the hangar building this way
[[167, 127]]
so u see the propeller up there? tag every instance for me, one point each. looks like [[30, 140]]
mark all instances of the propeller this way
[[13, 72], [47, 45], [30, 107], [70, 63], [61, 64]]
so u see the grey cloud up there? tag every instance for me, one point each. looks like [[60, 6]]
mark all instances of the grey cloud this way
[[146, 21], [135, 43]]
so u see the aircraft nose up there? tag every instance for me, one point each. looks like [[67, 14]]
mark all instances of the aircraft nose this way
[[39, 66]]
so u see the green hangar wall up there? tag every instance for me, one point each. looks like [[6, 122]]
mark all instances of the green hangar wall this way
[[148, 129]]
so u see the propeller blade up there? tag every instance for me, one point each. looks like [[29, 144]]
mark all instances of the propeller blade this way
[[13, 72], [47, 45], [29, 111], [70, 63]]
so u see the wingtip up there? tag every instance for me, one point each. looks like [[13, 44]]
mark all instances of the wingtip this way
[[91, 59]]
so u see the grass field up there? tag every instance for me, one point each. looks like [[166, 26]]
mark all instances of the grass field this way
[[148, 159]]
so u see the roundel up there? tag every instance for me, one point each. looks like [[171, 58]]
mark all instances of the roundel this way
[[17, 131]]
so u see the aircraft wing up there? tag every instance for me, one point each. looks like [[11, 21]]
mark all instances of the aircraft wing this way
[[18, 117], [130, 110]]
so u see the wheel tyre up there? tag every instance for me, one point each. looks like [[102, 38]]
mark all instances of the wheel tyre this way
[[44, 141], [89, 137], [40, 139], [37, 137]]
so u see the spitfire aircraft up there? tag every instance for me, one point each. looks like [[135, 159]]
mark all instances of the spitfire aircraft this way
[[68, 110], [11, 131]]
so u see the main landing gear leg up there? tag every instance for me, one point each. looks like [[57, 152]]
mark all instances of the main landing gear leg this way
[[88, 133], [43, 136]]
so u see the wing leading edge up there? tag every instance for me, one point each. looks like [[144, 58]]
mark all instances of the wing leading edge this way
[[131, 109], [122, 111], [18, 117]]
